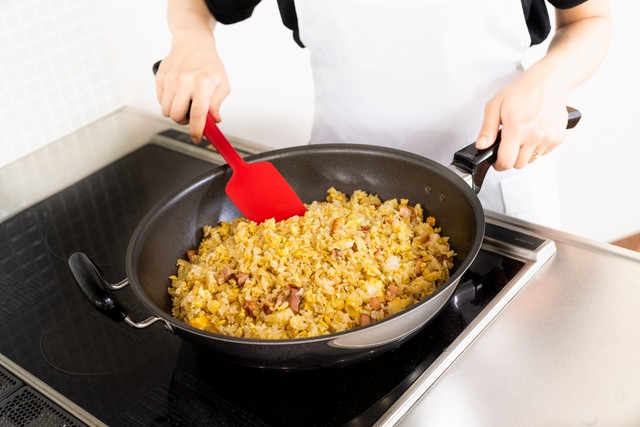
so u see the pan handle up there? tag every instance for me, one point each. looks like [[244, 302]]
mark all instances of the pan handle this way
[[476, 163], [97, 290]]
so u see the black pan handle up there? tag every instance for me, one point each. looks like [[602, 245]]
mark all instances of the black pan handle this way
[[573, 118], [477, 162], [89, 279]]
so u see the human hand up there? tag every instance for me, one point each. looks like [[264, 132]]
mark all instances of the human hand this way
[[192, 82], [533, 115]]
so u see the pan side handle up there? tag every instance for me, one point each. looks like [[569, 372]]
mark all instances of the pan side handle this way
[[476, 162], [98, 291]]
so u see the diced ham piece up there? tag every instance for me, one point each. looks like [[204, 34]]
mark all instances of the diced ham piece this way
[[267, 308], [250, 308], [294, 298], [392, 292], [241, 278], [375, 303], [365, 319], [224, 275]]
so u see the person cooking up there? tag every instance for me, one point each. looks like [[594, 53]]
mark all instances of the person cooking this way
[[424, 76]]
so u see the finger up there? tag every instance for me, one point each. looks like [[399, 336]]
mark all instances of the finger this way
[[198, 117], [160, 84], [536, 154], [159, 89], [218, 96], [509, 150], [490, 126], [200, 106], [532, 146], [527, 155], [180, 106], [215, 113], [543, 146], [167, 101]]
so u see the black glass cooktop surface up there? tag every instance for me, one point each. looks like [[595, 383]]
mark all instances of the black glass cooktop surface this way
[[128, 377]]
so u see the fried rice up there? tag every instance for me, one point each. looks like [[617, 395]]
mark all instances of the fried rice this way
[[347, 262]]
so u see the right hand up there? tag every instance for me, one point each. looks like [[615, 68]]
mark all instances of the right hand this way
[[193, 77]]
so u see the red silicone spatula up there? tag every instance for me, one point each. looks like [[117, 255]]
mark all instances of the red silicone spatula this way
[[258, 190]]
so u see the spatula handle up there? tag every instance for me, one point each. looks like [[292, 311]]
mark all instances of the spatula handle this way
[[220, 142]]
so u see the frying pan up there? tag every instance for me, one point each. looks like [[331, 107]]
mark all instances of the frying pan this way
[[175, 224]]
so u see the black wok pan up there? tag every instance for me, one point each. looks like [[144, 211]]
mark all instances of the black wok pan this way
[[175, 224]]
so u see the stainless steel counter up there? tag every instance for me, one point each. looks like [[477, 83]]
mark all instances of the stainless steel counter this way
[[563, 352]]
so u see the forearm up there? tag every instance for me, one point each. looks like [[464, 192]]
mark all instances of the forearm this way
[[189, 16], [578, 47]]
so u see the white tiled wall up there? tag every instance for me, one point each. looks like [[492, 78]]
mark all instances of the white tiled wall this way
[[56, 75]]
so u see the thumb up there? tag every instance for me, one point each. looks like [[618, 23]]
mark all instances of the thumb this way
[[490, 126]]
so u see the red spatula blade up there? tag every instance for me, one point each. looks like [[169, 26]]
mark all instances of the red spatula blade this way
[[258, 190]]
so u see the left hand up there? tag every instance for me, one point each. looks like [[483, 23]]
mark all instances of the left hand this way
[[533, 115]]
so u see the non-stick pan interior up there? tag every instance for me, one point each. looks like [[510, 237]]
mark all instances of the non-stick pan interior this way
[[175, 224]]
